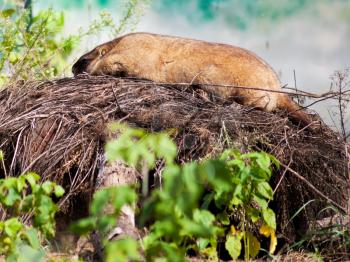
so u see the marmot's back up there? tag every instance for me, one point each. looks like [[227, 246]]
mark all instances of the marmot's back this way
[[173, 60]]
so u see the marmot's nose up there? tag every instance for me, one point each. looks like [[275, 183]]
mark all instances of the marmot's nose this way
[[80, 66]]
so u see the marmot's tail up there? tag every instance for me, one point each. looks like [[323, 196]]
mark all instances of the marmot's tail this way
[[296, 114]]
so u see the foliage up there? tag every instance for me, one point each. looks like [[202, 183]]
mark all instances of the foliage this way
[[31, 51], [25, 197], [133, 11], [104, 198], [34, 47], [30, 48], [136, 146], [234, 185], [111, 199], [126, 249]]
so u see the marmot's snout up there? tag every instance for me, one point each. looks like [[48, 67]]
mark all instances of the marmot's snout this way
[[80, 66]]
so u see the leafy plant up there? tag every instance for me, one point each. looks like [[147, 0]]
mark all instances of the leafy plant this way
[[133, 11], [25, 197], [35, 48], [115, 197], [111, 199], [32, 50], [234, 185]]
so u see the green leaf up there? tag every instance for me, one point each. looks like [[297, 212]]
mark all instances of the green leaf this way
[[12, 226], [32, 178], [21, 183], [29, 254], [122, 195], [28, 203], [262, 160], [112, 150], [207, 200], [13, 58], [238, 190], [217, 174], [10, 182], [166, 148], [223, 218], [12, 197], [42, 218], [100, 199], [233, 246], [229, 154], [122, 250], [235, 201], [253, 214], [210, 253], [269, 217], [47, 186], [265, 190], [260, 201], [48, 229], [105, 223], [84, 225], [59, 191], [202, 243], [204, 217], [32, 236], [7, 12]]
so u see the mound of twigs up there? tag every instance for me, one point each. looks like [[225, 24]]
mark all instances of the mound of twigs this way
[[58, 129]]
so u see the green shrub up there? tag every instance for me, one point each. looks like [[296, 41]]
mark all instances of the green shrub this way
[[35, 48], [22, 198], [180, 212], [31, 51]]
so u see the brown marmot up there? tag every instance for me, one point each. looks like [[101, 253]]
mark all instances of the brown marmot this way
[[167, 59]]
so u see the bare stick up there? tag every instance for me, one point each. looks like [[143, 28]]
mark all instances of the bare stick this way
[[298, 93]]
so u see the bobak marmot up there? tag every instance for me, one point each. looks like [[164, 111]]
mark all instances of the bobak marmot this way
[[168, 59]]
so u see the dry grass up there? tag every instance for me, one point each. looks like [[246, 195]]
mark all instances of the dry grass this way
[[58, 129]]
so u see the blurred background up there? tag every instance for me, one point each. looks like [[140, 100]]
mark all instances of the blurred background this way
[[304, 41]]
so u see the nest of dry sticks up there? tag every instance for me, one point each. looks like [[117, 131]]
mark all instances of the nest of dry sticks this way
[[57, 129]]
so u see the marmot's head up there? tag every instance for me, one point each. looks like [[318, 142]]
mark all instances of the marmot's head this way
[[99, 61]]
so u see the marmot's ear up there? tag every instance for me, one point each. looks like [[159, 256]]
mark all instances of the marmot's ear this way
[[103, 51]]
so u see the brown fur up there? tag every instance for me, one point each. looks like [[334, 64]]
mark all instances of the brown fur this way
[[169, 59]]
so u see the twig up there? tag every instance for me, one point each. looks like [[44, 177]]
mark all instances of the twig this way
[[340, 105], [115, 97], [298, 93], [295, 85], [21, 63], [348, 164], [15, 153], [283, 175]]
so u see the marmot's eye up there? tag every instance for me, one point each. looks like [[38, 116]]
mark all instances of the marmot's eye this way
[[103, 52]]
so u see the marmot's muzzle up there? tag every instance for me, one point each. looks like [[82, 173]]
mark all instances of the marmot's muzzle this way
[[80, 66]]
